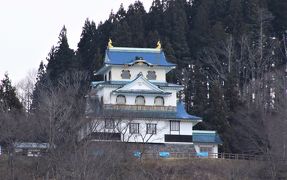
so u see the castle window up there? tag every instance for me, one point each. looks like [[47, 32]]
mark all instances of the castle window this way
[[121, 99], [159, 101], [174, 125], [126, 74], [151, 128], [134, 128], [151, 75], [140, 100], [110, 75]]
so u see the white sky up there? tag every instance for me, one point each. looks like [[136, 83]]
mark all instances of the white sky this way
[[29, 28]]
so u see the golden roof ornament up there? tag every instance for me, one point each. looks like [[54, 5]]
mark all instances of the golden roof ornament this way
[[158, 45], [110, 43]]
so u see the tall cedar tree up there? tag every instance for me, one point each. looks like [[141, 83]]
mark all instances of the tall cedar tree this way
[[61, 59], [87, 49], [8, 98], [41, 80]]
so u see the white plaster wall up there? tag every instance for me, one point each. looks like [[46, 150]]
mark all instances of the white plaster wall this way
[[123, 128], [214, 147], [170, 100], [135, 70], [106, 94], [162, 129], [186, 128]]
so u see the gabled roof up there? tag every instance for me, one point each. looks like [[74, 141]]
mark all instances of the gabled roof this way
[[165, 85], [127, 56], [206, 137], [140, 85]]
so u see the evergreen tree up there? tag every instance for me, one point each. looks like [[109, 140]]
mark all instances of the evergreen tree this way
[[278, 9], [8, 97], [121, 34], [87, 49], [61, 59], [200, 101], [41, 80], [176, 26], [136, 16], [217, 108]]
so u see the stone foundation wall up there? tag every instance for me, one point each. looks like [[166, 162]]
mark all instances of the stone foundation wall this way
[[155, 148]]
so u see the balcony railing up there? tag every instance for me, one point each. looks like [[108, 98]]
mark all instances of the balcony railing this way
[[139, 107]]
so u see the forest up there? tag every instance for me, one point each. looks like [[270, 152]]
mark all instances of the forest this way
[[231, 58]]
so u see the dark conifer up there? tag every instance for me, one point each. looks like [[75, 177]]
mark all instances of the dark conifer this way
[[87, 49], [61, 59], [8, 98]]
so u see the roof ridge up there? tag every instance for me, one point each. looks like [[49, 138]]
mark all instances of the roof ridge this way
[[133, 49]]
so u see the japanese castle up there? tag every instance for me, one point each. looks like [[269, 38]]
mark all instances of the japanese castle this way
[[134, 103]]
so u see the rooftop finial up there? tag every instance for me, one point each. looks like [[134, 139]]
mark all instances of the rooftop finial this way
[[110, 43], [158, 45]]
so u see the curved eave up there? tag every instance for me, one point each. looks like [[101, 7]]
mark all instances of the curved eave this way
[[103, 69]]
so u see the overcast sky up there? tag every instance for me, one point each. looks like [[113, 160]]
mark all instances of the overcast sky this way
[[29, 28]]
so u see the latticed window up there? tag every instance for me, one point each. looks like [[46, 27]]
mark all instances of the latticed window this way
[[151, 128], [151, 75], [134, 128], [159, 101], [140, 100], [126, 74], [174, 125], [121, 99]]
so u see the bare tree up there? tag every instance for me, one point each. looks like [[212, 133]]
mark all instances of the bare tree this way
[[25, 90]]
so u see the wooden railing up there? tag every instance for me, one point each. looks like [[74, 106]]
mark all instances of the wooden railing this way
[[139, 107]]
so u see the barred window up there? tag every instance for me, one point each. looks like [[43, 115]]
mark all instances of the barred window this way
[[151, 128], [159, 101], [126, 74], [174, 125], [151, 75], [140, 100], [134, 128], [121, 99]]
